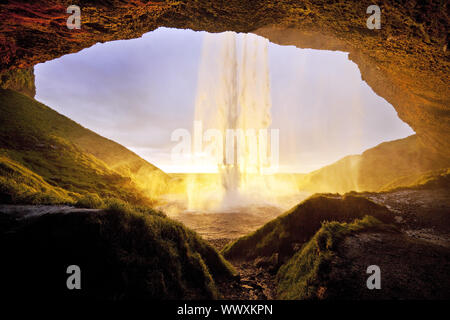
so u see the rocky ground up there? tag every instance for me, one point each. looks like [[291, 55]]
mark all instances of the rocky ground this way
[[255, 282], [415, 262], [30, 211], [216, 226], [422, 214], [410, 268]]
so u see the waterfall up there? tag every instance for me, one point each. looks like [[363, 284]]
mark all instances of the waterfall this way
[[233, 98], [231, 124]]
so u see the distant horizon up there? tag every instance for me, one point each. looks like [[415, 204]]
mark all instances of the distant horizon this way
[[280, 171]]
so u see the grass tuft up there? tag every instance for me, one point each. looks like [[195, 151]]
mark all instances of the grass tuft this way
[[305, 275]]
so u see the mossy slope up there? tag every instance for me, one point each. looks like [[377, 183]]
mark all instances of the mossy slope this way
[[67, 156], [305, 275], [391, 164], [333, 265], [281, 235], [123, 253]]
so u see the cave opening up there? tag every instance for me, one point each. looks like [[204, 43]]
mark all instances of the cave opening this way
[[138, 92]]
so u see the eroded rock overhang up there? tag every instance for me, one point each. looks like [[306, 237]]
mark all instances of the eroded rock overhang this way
[[406, 61]]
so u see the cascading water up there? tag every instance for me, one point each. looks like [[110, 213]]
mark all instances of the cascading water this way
[[233, 98]]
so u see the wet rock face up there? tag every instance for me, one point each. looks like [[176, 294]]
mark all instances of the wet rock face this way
[[406, 61]]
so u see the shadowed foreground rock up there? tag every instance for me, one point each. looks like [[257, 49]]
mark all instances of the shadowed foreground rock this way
[[410, 269], [122, 254], [334, 268]]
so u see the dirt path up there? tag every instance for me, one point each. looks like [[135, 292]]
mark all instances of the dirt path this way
[[255, 281]]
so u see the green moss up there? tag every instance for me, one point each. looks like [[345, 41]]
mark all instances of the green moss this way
[[90, 200], [67, 156], [124, 253], [430, 179], [303, 276], [20, 185], [21, 80], [298, 225], [399, 163]]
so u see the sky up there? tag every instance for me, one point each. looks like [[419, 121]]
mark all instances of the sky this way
[[137, 92]]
